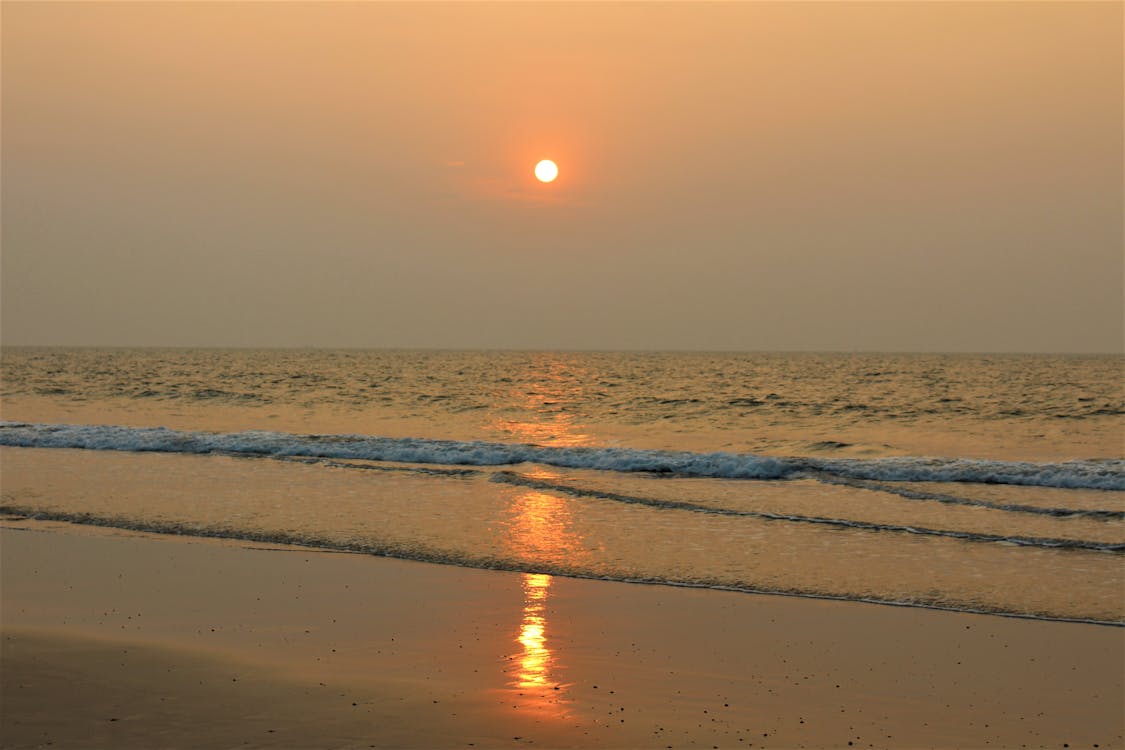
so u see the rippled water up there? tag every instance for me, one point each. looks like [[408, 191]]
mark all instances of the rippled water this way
[[974, 483]]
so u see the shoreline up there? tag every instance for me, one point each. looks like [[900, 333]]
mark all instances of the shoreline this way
[[342, 650], [19, 514]]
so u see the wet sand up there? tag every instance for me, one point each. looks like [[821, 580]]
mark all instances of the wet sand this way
[[119, 639]]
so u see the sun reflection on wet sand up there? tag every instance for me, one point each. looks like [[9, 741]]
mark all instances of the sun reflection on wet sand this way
[[535, 663]]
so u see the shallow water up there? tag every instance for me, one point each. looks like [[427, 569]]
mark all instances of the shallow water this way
[[973, 483]]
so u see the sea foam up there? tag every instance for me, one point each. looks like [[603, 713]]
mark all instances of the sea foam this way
[[1107, 474]]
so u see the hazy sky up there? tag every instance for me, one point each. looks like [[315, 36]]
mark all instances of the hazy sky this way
[[870, 176]]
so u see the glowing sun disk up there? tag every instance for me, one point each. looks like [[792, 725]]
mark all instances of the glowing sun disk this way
[[546, 171]]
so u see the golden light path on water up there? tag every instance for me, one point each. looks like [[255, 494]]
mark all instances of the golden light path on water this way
[[540, 529], [558, 387]]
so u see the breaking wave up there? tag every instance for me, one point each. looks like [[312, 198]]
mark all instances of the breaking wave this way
[[1108, 474]]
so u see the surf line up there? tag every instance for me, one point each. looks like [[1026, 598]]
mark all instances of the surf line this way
[[1096, 475]]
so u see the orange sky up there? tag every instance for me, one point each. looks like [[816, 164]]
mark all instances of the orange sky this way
[[889, 176]]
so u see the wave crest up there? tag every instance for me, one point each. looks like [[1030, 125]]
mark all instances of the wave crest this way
[[1108, 474]]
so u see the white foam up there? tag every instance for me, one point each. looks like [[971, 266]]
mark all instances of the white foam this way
[[1106, 474]]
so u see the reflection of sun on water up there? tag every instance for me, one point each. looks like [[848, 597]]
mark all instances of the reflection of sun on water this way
[[541, 533], [540, 529], [554, 388], [558, 433]]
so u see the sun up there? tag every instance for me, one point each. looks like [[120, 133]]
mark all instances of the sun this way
[[546, 171]]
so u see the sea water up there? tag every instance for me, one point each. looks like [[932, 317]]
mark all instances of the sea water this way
[[973, 483]]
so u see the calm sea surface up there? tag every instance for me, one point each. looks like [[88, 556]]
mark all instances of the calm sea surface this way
[[977, 483]]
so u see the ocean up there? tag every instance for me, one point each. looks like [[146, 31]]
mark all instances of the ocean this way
[[972, 483]]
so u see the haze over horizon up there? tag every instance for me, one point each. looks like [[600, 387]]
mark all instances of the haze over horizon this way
[[748, 176]]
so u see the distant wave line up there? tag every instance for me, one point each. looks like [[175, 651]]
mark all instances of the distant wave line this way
[[910, 494], [506, 477]]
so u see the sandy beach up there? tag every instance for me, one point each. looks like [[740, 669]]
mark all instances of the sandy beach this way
[[120, 639]]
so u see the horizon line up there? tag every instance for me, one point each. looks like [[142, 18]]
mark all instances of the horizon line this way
[[565, 350]]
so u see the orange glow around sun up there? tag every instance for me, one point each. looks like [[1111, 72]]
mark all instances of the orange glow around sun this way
[[546, 171]]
